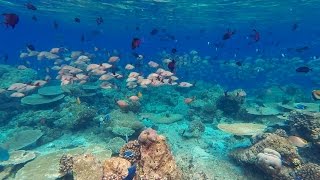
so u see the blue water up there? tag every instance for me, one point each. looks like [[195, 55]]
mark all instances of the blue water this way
[[4, 154], [288, 39]]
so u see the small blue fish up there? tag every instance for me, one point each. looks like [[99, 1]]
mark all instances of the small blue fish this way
[[4, 154], [131, 172], [300, 106]]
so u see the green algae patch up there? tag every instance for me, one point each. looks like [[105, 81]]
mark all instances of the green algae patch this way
[[36, 99]]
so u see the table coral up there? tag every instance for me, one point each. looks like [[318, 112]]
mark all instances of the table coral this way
[[156, 162]]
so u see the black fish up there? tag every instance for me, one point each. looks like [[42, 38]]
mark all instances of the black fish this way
[[173, 50], [228, 34], [55, 25], [31, 6], [77, 20], [34, 18], [99, 20], [30, 47], [294, 27], [303, 69], [239, 63], [82, 38], [301, 49], [4, 58], [154, 32]]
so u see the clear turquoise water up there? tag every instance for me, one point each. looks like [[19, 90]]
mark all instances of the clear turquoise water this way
[[267, 73]]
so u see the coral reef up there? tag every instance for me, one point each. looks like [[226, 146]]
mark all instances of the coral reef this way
[[231, 102], [23, 138], [19, 157], [115, 144], [76, 117], [195, 129], [308, 171], [86, 167], [269, 161], [156, 161], [115, 168], [242, 129], [36, 99], [66, 164], [131, 151], [280, 144], [273, 154], [306, 125], [43, 167], [10, 75], [122, 119]]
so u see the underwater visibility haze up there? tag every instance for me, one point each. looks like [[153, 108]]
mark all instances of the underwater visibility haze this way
[[159, 90]]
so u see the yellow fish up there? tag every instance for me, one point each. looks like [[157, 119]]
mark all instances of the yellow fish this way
[[78, 100], [139, 94]]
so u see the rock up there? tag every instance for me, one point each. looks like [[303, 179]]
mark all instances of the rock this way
[[156, 162], [86, 167], [115, 168]]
